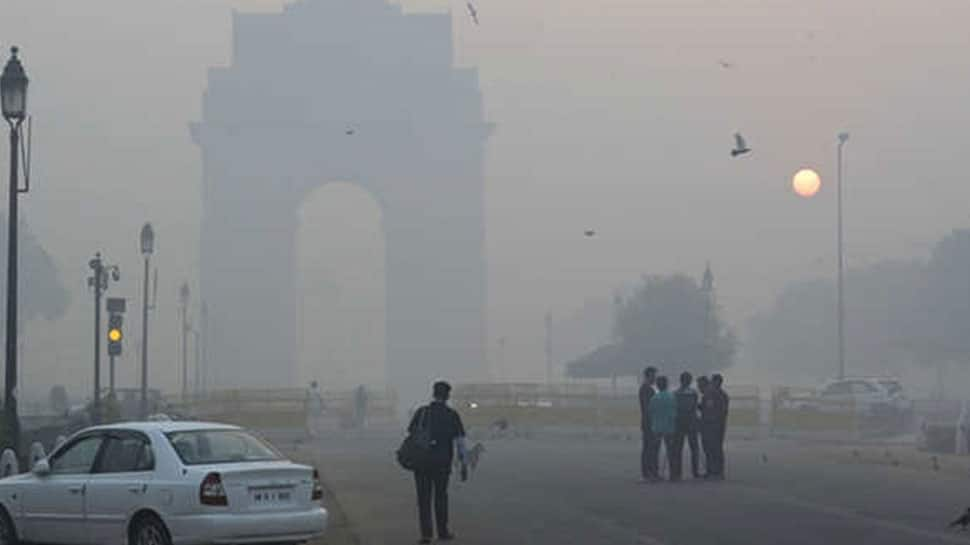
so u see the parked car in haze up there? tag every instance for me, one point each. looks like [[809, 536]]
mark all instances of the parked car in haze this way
[[163, 483], [870, 396]]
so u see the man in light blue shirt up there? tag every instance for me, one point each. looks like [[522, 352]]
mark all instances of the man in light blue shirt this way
[[663, 416]]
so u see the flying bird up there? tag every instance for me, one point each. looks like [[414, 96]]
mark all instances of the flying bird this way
[[725, 64], [740, 146], [589, 233], [962, 522], [472, 11], [350, 131]]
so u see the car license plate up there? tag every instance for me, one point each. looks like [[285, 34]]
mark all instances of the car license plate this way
[[270, 497]]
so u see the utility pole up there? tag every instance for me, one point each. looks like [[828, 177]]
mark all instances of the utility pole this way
[[147, 238]]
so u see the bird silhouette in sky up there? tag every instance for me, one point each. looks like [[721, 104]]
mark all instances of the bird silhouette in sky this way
[[472, 11], [962, 522], [725, 64], [740, 146], [589, 233], [350, 131]]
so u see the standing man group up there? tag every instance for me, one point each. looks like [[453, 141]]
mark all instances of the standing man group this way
[[698, 418]]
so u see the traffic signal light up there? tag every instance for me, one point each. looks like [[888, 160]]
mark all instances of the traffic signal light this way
[[115, 334]]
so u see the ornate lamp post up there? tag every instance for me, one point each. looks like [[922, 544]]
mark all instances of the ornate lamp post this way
[[13, 103]]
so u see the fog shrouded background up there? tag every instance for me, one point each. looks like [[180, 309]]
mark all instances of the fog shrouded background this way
[[612, 115]]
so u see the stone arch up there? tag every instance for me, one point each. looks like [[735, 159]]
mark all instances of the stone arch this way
[[275, 125]]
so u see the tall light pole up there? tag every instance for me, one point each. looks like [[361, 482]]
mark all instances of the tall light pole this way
[[13, 103], [147, 239], [99, 282], [843, 138], [184, 305]]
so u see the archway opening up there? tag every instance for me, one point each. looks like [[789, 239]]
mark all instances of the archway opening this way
[[341, 288]]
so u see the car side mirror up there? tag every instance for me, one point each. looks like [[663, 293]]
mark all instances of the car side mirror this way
[[41, 468]]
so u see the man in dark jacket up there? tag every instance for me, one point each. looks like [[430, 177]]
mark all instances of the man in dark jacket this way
[[649, 462], [714, 413], [447, 433], [687, 428]]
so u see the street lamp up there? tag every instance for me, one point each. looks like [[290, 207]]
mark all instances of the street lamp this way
[[13, 104], [147, 248], [184, 303], [843, 138]]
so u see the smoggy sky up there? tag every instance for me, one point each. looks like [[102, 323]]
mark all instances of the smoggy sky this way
[[612, 115]]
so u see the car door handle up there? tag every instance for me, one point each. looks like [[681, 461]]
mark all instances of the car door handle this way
[[137, 489], [76, 489]]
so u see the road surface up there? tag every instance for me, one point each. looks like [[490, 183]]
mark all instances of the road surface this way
[[559, 492]]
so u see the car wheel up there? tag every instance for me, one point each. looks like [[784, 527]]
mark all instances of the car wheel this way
[[8, 535], [150, 531]]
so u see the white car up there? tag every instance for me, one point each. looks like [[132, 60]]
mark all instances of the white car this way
[[868, 395], [163, 483]]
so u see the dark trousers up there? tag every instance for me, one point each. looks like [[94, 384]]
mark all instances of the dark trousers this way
[[433, 483], [649, 455], [713, 437], [695, 452], [675, 454]]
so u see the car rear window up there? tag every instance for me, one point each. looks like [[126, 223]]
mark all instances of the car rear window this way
[[202, 447]]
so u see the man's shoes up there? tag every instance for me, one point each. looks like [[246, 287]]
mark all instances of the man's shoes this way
[[447, 536], [424, 540]]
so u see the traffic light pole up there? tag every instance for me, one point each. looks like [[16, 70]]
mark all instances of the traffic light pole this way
[[111, 375]]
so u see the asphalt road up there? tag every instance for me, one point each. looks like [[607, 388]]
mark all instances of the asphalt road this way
[[557, 492]]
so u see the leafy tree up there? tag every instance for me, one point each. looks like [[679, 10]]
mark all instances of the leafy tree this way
[[668, 321], [671, 320], [42, 295]]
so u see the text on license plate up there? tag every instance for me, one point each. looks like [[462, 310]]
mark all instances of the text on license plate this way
[[271, 496]]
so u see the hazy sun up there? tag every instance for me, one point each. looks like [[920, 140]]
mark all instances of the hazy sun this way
[[806, 183]]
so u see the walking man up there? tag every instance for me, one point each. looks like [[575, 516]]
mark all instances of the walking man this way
[[663, 416], [687, 427], [650, 446], [447, 434], [313, 407], [715, 413]]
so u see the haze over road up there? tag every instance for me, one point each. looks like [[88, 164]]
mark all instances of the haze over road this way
[[553, 491]]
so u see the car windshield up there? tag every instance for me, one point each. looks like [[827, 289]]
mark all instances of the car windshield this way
[[200, 447], [891, 386]]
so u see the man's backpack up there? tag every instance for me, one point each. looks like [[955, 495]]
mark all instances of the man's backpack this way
[[415, 451]]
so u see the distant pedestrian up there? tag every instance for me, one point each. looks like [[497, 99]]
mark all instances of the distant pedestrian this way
[[714, 420], [649, 466], [360, 406], [687, 428], [313, 407], [447, 435], [663, 418]]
